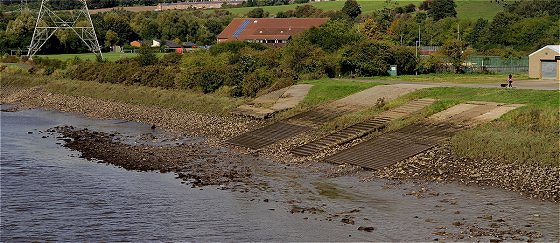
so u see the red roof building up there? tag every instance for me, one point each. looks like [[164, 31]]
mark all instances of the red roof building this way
[[275, 31]]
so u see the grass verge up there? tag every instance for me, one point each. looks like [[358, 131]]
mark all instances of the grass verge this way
[[325, 90], [217, 103], [530, 134]]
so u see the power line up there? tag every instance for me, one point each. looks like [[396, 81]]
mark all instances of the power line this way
[[48, 22]]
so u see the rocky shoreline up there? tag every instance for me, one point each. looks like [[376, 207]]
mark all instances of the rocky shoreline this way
[[194, 163], [438, 164]]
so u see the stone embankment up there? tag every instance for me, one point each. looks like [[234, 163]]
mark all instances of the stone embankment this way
[[441, 165]]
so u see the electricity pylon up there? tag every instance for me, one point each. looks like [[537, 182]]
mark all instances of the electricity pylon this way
[[48, 22]]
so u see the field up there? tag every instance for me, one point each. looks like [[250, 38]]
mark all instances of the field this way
[[109, 56], [466, 9]]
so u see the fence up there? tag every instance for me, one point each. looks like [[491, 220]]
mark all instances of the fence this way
[[497, 64]]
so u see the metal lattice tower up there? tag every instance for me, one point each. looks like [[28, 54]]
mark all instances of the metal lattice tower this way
[[48, 22]]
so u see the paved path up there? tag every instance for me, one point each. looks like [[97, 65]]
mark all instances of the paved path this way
[[517, 84], [369, 97]]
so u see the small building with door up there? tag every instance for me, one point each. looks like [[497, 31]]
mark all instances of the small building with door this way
[[545, 63]]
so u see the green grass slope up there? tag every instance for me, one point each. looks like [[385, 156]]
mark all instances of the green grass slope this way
[[466, 9]]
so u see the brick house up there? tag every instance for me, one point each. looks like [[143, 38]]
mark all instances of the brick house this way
[[274, 31]]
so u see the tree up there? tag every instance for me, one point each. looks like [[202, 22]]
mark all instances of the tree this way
[[366, 58], [118, 22], [497, 30], [425, 5], [410, 8], [333, 35], [371, 30], [403, 30], [20, 30], [111, 38], [454, 53], [306, 11], [477, 32], [441, 9], [404, 58], [352, 9], [257, 13]]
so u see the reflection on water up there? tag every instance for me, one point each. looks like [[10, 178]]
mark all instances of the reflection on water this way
[[48, 193]]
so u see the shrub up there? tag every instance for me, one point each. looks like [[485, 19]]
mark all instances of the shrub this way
[[170, 59], [404, 58], [367, 58], [234, 47], [255, 81], [146, 56]]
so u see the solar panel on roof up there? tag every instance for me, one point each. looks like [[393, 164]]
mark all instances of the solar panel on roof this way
[[241, 28]]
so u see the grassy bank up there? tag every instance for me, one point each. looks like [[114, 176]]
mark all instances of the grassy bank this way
[[529, 134], [325, 90], [217, 103], [469, 78]]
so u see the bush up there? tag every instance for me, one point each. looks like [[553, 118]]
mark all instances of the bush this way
[[255, 81], [430, 64], [9, 59], [146, 56], [404, 58], [204, 71], [170, 59], [47, 62], [308, 60], [366, 58], [234, 47]]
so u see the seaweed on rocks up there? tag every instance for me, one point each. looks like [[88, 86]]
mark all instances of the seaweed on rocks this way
[[195, 163]]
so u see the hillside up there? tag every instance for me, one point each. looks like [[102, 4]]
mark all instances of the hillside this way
[[466, 9]]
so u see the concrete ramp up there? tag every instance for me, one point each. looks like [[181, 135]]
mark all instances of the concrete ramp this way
[[370, 97], [395, 146], [316, 117], [266, 105]]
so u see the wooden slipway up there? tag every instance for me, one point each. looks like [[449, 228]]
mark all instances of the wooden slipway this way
[[395, 146], [363, 128], [311, 119]]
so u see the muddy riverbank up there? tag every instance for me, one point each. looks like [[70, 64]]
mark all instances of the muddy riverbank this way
[[194, 163], [439, 164]]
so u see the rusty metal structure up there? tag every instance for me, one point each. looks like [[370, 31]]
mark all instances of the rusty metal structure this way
[[361, 129]]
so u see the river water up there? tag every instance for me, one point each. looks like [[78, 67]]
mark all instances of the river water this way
[[48, 193]]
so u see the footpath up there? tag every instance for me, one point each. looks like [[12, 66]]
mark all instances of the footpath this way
[[517, 84]]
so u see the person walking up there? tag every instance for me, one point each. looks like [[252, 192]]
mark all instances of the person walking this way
[[510, 81]]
